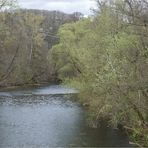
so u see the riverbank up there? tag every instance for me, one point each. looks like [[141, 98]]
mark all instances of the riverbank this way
[[47, 90], [29, 85]]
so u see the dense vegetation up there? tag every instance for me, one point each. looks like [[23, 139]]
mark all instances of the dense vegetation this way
[[106, 58], [26, 37]]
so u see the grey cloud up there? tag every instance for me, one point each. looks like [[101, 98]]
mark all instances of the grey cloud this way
[[68, 6]]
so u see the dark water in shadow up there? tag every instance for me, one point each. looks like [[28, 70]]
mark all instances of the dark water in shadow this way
[[45, 117]]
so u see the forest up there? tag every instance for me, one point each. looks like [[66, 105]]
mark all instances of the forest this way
[[26, 36], [104, 56]]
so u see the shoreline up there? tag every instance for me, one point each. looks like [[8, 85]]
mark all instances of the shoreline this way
[[11, 87]]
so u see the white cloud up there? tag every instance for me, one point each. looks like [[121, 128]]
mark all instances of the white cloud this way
[[67, 6]]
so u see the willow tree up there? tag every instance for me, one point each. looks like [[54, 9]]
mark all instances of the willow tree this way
[[108, 53]]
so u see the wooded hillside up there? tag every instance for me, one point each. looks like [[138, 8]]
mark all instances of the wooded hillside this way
[[26, 37]]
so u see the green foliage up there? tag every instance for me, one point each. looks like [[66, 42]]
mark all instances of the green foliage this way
[[108, 56], [26, 37]]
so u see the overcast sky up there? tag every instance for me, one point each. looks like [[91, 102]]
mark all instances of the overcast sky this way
[[67, 6]]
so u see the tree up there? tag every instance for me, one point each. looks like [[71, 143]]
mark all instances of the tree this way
[[26, 36], [108, 57], [7, 4]]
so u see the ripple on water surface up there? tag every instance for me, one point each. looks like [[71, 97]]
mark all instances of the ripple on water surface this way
[[33, 118]]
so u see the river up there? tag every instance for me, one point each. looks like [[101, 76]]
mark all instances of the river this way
[[48, 117]]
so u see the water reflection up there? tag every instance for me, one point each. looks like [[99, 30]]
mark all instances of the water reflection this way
[[49, 120], [48, 90]]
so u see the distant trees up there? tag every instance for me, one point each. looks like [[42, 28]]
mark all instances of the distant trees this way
[[106, 57], [26, 36], [4, 33], [17, 46]]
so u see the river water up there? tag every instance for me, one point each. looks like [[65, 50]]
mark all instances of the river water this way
[[48, 117]]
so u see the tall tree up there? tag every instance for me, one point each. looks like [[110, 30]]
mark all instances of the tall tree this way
[[107, 59]]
